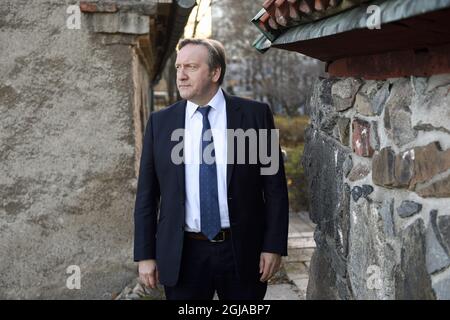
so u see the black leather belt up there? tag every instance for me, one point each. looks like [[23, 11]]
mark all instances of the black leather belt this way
[[221, 236]]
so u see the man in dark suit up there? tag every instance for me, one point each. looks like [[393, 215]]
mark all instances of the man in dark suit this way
[[206, 221]]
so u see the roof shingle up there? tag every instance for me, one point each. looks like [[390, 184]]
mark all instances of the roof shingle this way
[[282, 14]]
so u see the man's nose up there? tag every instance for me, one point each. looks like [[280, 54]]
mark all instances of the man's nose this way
[[181, 74]]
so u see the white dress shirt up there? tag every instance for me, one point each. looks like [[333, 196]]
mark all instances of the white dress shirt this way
[[192, 149]]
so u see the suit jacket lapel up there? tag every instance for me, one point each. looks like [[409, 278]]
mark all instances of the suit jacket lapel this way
[[234, 116]]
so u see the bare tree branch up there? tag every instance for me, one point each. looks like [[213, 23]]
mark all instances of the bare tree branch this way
[[196, 20], [279, 77]]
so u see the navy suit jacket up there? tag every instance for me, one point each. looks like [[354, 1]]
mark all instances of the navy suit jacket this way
[[258, 204]]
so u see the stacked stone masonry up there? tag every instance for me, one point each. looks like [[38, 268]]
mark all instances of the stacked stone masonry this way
[[377, 160]]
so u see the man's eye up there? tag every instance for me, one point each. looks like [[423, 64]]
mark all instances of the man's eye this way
[[192, 67]]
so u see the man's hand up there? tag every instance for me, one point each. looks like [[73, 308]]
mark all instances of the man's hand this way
[[269, 263], [148, 273]]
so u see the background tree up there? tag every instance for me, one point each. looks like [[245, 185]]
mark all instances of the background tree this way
[[279, 77]]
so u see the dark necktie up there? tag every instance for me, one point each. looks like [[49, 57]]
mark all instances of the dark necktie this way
[[209, 199]]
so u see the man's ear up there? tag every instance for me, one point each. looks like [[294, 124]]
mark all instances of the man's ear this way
[[216, 74]]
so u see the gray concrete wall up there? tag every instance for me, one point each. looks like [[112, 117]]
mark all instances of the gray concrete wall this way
[[67, 152], [377, 160]]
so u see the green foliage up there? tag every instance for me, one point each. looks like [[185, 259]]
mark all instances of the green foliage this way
[[292, 129], [296, 180], [292, 141]]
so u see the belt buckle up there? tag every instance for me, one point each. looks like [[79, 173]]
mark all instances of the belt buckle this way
[[222, 238]]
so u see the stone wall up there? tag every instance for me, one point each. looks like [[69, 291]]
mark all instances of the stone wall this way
[[377, 160], [67, 154]]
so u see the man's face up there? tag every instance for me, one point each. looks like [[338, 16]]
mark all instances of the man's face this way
[[195, 81]]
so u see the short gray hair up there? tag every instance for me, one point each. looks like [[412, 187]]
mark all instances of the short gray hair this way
[[216, 53]]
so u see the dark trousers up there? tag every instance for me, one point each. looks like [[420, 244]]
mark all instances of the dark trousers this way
[[209, 267]]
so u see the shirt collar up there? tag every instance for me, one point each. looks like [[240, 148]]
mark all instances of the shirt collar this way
[[215, 103]]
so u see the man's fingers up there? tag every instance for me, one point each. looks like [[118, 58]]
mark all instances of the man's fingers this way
[[148, 273], [148, 280], [274, 268], [152, 280], [144, 279], [264, 276], [265, 272], [270, 270], [269, 264]]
